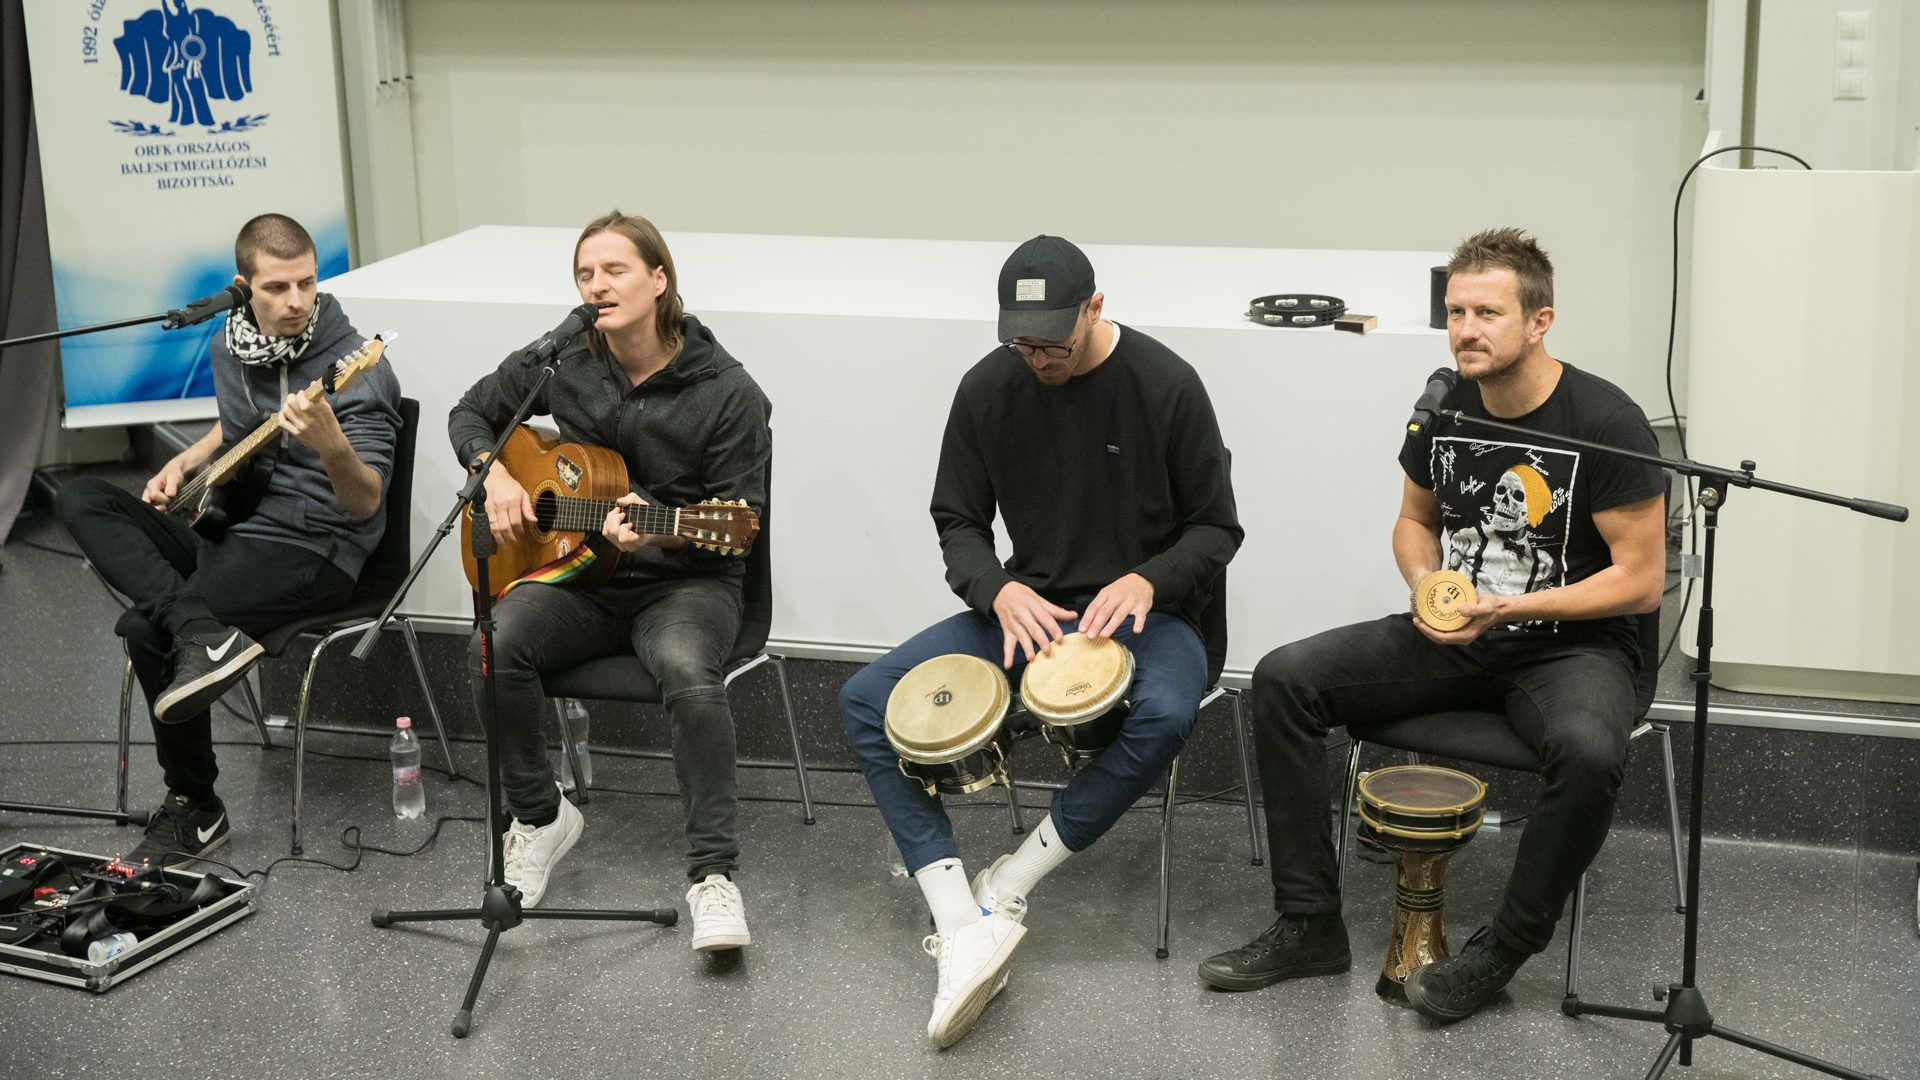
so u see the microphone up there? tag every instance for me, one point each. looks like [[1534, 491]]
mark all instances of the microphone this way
[[551, 342], [1439, 385], [207, 307]]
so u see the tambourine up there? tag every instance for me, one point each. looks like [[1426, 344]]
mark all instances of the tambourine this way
[[1438, 597], [1295, 309]]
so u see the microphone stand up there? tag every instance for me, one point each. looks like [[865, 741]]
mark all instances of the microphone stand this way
[[1686, 1016], [500, 909], [174, 320]]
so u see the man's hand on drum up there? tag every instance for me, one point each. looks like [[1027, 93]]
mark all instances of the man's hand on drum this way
[[1487, 612], [1131, 597], [1028, 620]]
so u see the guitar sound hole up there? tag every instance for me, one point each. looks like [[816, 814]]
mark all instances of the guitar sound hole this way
[[546, 509]]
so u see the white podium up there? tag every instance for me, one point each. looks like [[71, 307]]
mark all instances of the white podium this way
[[1805, 357], [860, 342]]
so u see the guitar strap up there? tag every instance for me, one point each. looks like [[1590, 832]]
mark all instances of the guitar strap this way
[[566, 568]]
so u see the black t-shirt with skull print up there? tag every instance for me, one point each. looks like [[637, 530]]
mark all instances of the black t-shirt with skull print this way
[[1516, 516]]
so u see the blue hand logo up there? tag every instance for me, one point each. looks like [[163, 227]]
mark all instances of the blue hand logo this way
[[180, 58]]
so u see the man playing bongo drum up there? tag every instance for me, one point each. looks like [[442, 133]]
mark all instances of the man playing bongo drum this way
[[1564, 549], [1099, 449]]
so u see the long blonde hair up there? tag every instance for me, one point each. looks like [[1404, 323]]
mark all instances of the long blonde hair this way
[[668, 310]]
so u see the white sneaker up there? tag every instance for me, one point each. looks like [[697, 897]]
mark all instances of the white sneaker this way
[[530, 853], [987, 895], [719, 917], [973, 963]]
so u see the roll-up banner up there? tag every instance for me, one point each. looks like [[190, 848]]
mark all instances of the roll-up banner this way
[[165, 125]]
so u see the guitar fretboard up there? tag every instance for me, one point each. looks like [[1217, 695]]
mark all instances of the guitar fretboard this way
[[573, 514]]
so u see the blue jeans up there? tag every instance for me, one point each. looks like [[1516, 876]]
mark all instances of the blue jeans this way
[[1170, 675]]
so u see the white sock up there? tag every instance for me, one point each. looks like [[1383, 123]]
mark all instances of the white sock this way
[[949, 895], [1041, 852]]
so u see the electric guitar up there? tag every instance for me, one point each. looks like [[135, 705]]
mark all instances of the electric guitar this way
[[227, 489], [572, 487]]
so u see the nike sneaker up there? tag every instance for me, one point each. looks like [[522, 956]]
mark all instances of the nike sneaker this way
[[204, 666], [180, 832]]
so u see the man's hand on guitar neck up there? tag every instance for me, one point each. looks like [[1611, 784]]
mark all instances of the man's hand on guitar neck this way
[[625, 537]]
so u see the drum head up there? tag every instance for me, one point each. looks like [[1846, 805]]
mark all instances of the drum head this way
[[1081, 678], [1422, 790], [946, 708]]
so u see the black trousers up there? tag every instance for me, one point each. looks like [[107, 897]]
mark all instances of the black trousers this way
[[171, 576], [1572, 702], [682, 630]]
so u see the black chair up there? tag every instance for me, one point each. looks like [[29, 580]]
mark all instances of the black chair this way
[[623, 677], [1486, 738], [385, 569]]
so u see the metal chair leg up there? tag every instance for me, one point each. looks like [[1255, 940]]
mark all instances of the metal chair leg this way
[[1013, 804], [126, 738], [1573, 937], [1346, 811], [253, 710], [1166, 858], [433, 709], [300, 723], [1673, 821], [793, 731], [1246, 778], [580, 797]]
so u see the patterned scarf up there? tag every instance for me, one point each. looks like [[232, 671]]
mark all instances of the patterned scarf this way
[[249, 346]]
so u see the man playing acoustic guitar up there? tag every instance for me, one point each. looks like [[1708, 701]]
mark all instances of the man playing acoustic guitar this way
[[650, 382], [197, 601]]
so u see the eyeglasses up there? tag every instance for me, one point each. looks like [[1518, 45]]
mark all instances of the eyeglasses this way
[[1058, 352]]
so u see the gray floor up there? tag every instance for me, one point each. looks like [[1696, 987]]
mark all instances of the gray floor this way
[[1809, 946]]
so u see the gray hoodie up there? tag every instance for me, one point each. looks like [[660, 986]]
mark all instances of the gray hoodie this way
[[299, 506], [696, 429]]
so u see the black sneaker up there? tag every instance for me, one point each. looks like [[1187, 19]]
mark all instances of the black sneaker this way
[[1293, 947], [180, 832], [204, 666], [1454, 988]]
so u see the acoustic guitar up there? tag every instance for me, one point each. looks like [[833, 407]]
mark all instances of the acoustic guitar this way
[[228, 488], [572, 487]]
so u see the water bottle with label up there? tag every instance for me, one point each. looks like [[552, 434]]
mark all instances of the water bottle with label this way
[[105, 949], [409, 794], [577, 727]]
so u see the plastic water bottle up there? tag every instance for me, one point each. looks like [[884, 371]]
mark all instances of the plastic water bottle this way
[[99, 952], [409, 795], [896, 863], [577, 727]]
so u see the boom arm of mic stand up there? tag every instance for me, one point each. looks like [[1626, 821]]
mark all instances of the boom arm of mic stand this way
[[1741, 477], [474, 494], [76, 331]]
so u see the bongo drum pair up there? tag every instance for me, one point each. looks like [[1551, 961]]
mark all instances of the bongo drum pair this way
[[946, 718]]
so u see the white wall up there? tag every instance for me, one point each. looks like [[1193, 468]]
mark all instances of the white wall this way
[[1323, 123], [1795, 108]]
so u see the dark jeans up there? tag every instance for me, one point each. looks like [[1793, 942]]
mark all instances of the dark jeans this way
[[1572, 702], [173, 576], [1170, 675], [682, 630]]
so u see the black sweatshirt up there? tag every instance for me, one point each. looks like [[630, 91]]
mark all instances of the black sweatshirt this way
[[1119, 471], [696, 429]]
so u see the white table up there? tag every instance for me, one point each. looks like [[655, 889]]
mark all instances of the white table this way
[[859, 344]]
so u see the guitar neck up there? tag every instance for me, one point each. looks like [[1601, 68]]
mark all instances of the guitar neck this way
[[574, 514]]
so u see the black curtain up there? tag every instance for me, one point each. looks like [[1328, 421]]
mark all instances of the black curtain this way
[[26, 274]]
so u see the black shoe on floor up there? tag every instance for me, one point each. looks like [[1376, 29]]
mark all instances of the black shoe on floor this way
[[1455, 988], [180, 832], [1293, 947], [204, 666]]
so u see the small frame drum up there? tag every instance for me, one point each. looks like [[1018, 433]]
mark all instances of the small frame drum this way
[[944, 720], [1074, 690], [1423, 814]]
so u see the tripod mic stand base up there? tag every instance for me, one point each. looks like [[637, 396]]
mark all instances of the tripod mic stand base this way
[[1687, 1019], [499, 911]]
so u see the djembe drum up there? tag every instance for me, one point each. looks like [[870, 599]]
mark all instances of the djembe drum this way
[[1423, 814]]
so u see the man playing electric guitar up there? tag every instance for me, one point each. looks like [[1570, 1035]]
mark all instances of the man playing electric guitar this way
[[196, 601], [653, 384]]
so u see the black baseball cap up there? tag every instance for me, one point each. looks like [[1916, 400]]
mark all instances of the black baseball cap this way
[[1042, 286]]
